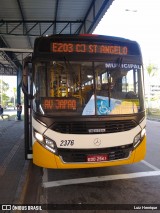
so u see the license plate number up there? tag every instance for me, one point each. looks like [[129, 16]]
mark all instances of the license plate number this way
[[97, 158]]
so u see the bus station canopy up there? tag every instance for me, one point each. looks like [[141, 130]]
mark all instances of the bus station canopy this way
[[22, 21]]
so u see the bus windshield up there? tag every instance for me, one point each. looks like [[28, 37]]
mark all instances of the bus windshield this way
[[87, 88]]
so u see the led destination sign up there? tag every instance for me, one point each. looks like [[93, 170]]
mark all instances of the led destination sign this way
[[59, 104], [58, 47]]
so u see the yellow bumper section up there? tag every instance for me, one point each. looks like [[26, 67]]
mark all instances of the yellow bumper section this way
[[46, 159]]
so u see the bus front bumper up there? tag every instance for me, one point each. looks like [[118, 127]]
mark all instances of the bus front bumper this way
[[46, 159]]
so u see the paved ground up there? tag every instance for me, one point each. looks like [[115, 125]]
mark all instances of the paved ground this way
[[136, 184], [19, 178], [12, 162], [21, 181]]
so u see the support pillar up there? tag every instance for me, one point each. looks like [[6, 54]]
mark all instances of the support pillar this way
[[19, 77]]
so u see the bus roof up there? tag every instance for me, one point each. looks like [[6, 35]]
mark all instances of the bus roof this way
[[86, 36]]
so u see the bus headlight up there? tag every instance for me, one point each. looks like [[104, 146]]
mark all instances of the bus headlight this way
[[38, 136], [143, 133], [138, 138], [49, 144]]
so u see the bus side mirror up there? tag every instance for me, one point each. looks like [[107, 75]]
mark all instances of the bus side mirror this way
[[27, 79]]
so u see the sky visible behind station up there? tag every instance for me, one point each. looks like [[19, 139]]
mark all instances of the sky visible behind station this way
[[137, 20]]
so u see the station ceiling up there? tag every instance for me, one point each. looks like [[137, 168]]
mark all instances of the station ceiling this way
[[22, 21]]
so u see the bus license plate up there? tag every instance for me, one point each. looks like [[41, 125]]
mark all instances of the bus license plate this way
[[97, 158]]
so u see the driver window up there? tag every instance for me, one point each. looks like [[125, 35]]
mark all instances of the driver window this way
[[130, 84]]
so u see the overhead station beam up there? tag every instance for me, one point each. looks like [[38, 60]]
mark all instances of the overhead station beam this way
[[11, 67], [23, 18], [16, 50], [94, 14], [35, 28], [29, 28], [14, 27], [7, 70], [55, 17]]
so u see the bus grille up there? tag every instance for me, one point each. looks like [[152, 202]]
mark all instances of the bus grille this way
[[77, 156], [93, 127]]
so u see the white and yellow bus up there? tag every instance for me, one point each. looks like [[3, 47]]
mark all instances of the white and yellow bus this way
[[84, 102]]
